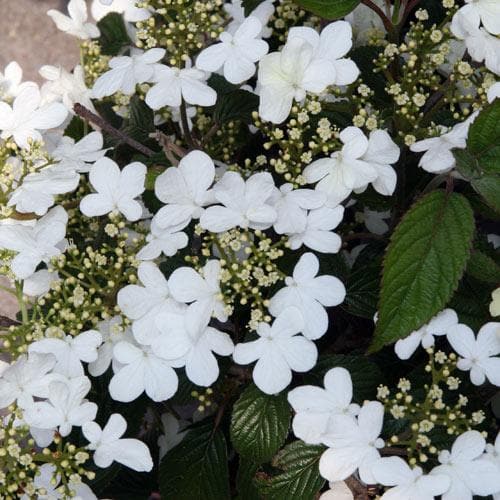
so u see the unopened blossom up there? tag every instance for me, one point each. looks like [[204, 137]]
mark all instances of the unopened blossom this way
[[495, 303], [116, 189], [109, 447], [236, 53], [279, 350], [76, 23], [315, 406], [310, 294]]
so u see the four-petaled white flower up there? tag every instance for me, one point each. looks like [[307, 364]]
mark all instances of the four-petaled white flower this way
[[128, 71], [315, 406], [310, 294], [64, 408], [190, 335], [245, 204], [468, 473], [354, 444], [318, 233], [184, 189], [187, 285], [109, 448], [345, 170], [278, 351], [236, 14], [488, 11], [407, 483], [116, 189], [291, 206], [35, 244], [478, 355], [141, 371], [236, 53], [167, 241], [70, 351], [26, 117], [76, 23], [437, 326], [25, 378], [493, 455], [11, 81]]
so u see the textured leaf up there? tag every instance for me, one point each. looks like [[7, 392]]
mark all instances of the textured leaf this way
[[247, 490], [236, 105], [259, 424], [140, 123], [197, 467], [114, 34], [483, 267], [423, 264], [329, 9], [299, 477], [250, 5]]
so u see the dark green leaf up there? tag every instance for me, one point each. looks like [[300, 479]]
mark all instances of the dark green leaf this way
[[329, 9], [140, 123], [236, 105], [250, 5], [423, 264], [75, 128], [114, 34], [197, 467], [299, 477], [247, 490], [259, 424], [483, 267]]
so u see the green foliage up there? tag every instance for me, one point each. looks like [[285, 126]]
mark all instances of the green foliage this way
[[259, 424], [236, 105], [423, 264], [483, 267], [298, 475], [250, 5], [329, 9], [245, 484], [114, 34], [140, 123], [75, 128], [196, 467]]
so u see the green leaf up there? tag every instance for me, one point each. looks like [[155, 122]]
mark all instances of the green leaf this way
[[114, 34], [141, 121], [75, 128], [329, 9], [423, 264], [247, 490], [259, 424], [484, 133], [236, 105], [299, 476], [250, 5], [483, 267], [197, 467]]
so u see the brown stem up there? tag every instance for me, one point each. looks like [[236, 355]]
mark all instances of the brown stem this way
[[387, 22], [169, 147], [91, 117], [6, 322]]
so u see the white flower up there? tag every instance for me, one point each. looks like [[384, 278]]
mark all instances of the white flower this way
[[315, 406], [481, 45], [39, 283], [278, 351], [35, 244], [26, 378], [184, 189], [79, 156], [190, 335], [308, 62], [131, 13], [76, 23], [245, 204], [478, 355], [375, 221], [236, 53], [310, 294], [128, 71], [67, 87], [437, 326], [468, 473], [173, 85], [11, 81], [173, 433], [143, 304], [116, 189], [408, 484], [236, 14], [338, 491], [109, 448], [64, 408], [345, 170], [26, 117], [354, 444], [167, 241], [37, 191], [318, 233], [142, 371], [291, 206], [112, 332], [488, 11], [70, 351], [493, 455], [366, 23], [438, 157], [494, 92]]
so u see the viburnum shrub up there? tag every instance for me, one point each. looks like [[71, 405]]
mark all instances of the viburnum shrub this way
[[253, 245]]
